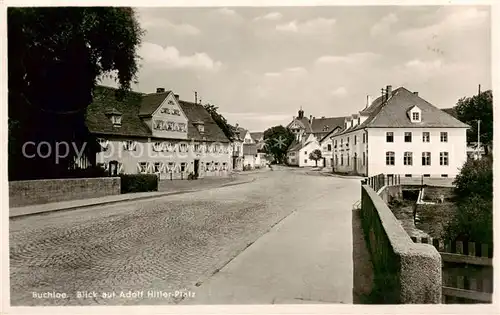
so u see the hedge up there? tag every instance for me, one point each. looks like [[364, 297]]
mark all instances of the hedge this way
[[138, 183]]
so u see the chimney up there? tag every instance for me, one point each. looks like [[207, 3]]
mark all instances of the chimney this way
[[368, 101], [310, 118], [479, 90], [389, 92], [160, 90], [416, 93], [196, 97]]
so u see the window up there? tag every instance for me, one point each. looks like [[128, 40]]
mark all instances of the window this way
[[170, 166], [305, 152], [197, 147], [158, 146], [207, 165], [426, 158], [408, 158], [305, 161], [129, 145], [341, 142], [364, 137], [183, 166], [364, 158], [183, 147], [335, 144], [116, 119], [389, 158], [443, 158], [426, 136], [103, 143], [329, 147], [182, 127], [389, 137], [359, 120], [157, 167], [143, 167], [341, 159], [444, 175], [427, 175], [415, 116], [444, 137], [158, 124], [355, 140], [348, 158], [408, 136], [407, 175]]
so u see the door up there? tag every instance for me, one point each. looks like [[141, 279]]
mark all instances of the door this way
[[196, 168]]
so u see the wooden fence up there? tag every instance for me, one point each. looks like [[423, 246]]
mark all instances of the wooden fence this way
[[467, 270]]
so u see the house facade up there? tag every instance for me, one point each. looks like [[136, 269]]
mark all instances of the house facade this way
[[400, 133], [298, 153], [157, 133]]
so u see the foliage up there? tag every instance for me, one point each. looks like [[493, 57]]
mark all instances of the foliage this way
[[278, 140], [475, 178], [478, 107], [473, 220], [138, 183], [315, 156], [57, 56], [220, 120]]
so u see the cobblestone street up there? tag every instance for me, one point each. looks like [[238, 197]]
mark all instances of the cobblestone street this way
[[167, 244]]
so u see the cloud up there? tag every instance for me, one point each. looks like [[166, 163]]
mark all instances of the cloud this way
[[346, 59], [272, 74], [165, 25], [227, 12], [311, 27], [340, 91], [384, 25], [273, 16], [170, 57], [424, 66], [460, 19]]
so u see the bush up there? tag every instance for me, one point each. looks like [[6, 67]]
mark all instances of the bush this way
[[138, 183], [475, 178], [90, 172], [472, 222]]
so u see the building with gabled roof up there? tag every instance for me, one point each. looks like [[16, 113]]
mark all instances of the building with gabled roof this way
[[157, 133], [400, 133]]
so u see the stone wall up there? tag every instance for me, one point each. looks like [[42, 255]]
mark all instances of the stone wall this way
[[404, 272], [32, 192]]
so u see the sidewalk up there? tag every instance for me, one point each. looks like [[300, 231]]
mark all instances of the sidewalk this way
[[305, 258], [176, 188]]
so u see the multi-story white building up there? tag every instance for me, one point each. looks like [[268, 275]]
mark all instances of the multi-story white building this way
[[400, 133], [157, 133]]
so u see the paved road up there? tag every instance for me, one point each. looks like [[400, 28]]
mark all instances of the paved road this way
[[160, 246]]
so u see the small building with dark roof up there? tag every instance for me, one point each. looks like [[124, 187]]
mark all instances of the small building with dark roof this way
[[157, 133], [400, 133]]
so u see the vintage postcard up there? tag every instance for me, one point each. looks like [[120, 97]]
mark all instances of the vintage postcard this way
[[292, 155]]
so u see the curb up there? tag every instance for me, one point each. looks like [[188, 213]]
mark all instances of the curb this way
[[131, 198], [342, 176]]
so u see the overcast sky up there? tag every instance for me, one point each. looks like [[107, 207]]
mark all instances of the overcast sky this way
[[259, 65]]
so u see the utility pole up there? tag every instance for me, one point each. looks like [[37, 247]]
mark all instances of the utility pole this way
[[195, 97], [478, 139], [479, 90]]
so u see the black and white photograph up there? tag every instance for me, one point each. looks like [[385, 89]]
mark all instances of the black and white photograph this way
[[244, 155]]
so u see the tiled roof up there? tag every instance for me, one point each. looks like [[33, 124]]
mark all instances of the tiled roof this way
[[320, 125], [212, 131], [150, 102], [104, 101], [295, 145], [393, 113], [131, 107], [249, 149], [451, 111], [257, 135], [242, 132]]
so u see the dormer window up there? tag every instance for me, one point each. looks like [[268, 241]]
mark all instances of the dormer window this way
[[115, 116], [200, 125], [415, 114]]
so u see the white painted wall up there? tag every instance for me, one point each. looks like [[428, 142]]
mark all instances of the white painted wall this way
[[303, 155], [377, 148], [351, 148]]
